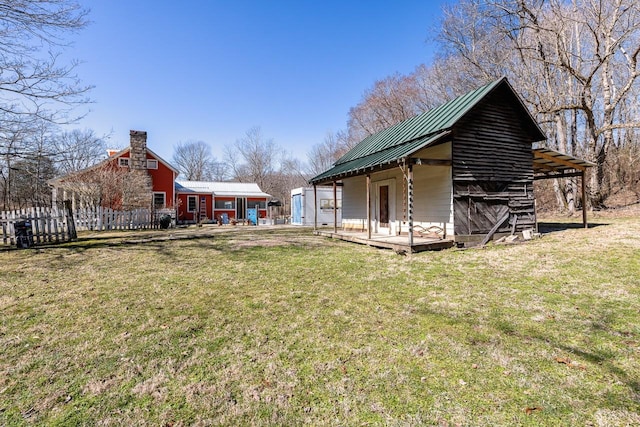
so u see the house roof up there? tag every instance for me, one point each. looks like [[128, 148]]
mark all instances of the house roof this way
[[58, 180], [405, 138], [221, 189]]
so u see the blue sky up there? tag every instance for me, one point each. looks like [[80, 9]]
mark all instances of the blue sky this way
[[211, 70]]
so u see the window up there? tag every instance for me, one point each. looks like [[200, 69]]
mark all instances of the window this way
[[158, 200], [225, 204], [261, 204], [123, 162], [192, 203], [152, 164]]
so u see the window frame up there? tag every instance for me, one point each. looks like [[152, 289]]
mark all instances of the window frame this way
[[123, 162], [195, 204], [150, 162], [164, 199]]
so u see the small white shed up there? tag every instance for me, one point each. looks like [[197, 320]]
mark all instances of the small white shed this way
[[302, 203]]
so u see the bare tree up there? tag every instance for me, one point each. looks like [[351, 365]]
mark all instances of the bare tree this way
[[108, 185], [574, 62], [29, 182], [24, 151], [254, 158], [36, 87], [217, 171], [33, 81], [290, 175], [323, 155], [389, 101], [195, 162], [77, 149]]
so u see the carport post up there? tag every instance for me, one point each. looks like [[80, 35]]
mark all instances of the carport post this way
[[584, 199]]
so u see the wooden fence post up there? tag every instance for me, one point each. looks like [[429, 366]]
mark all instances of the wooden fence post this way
[[71, 225]]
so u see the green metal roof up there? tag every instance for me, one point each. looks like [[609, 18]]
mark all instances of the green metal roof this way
[[400, 140], [379, 158]]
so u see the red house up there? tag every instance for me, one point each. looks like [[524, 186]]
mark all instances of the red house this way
[[200, 200], [162, 174], [133, 177], [138, 177]]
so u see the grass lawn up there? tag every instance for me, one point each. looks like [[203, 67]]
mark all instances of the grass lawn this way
[[278, 327]]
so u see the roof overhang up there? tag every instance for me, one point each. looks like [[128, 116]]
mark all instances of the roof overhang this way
[[380, 160], [554, 164]]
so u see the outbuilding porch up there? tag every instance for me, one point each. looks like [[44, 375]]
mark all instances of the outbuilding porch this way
[[399, 244]]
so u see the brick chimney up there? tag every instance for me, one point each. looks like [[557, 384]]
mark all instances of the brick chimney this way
[[138, 153]]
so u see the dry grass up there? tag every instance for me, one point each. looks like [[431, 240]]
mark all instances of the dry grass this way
[[278, 327]]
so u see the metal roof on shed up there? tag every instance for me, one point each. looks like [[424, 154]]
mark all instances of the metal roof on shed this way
[[221, 189], [386, 156], [401, 139], [546, 160], [435, 120]]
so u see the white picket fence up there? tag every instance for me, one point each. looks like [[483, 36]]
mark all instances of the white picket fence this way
[[47, 225], [104, 219], [50, 225]]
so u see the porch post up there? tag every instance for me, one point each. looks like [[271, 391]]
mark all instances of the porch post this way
[[315, 207], [584, 200], [369, 207], [410, 203], [335, 207]]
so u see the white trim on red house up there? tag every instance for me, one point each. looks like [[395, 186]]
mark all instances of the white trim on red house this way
[[164, 162], [164, 199], [195, 203]]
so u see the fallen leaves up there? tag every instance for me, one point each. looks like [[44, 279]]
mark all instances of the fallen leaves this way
[[531, 410], [570, 363]]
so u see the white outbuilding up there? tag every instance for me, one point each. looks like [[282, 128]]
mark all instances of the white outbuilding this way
[[303, 202]]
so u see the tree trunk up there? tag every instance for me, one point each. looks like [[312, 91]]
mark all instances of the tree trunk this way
[[564, 193]]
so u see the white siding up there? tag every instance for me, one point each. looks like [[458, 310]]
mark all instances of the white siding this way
[[433, 192], [433, 205], [432, 197], [354, 203], [442, 151]]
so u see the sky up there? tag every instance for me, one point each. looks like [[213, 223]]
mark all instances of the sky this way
[[199, 70]]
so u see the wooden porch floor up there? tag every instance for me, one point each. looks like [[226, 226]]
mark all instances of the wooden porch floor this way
[[396, 243]]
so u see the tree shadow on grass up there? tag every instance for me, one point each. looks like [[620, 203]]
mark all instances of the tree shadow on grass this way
[[552, 227], [159, 245], [601, 357]]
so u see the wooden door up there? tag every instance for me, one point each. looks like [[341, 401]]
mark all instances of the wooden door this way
[[478, 216], [383, 206], [240, 208]]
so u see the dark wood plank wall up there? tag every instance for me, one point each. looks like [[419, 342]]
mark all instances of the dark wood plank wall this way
[[478, 205], [492, 166]]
